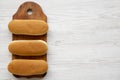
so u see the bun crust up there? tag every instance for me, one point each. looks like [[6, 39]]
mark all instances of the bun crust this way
[[28, 27], [24, 67], [28, 47]]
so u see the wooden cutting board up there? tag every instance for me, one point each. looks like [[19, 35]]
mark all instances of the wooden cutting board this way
[[36, 14]]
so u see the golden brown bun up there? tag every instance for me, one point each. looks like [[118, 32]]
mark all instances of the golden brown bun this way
[[28, 47], [28, 27], [24, 67]]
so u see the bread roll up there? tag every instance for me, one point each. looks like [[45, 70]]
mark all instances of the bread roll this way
[[28, 27], [24, 67], [28, 47]]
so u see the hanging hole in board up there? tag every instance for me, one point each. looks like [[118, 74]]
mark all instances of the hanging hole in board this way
[[29, 11]]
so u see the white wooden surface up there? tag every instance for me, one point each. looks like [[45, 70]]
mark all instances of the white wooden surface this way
[[83, 39]]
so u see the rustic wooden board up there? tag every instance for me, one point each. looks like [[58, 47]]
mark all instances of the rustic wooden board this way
[[38, 14]]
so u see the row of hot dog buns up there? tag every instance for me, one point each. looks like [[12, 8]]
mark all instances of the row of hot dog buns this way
[[27, 67]]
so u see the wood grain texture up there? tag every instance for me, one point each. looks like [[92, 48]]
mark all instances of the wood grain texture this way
[[83, 39]]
